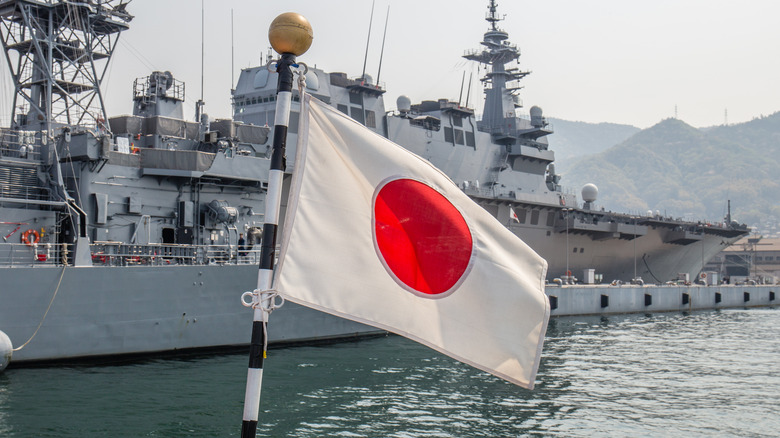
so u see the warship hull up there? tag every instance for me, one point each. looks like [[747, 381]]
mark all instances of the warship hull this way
[[105, 311], [86, 313], [654, 256]]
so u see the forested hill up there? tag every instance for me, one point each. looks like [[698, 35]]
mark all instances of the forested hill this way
[[573, 140], [688, 172]]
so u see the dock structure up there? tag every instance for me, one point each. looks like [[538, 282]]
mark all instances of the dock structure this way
[[574, 300]]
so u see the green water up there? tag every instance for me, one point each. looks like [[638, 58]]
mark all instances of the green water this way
[[700, 374]]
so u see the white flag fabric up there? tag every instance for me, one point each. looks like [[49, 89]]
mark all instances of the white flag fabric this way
[[378, 235]]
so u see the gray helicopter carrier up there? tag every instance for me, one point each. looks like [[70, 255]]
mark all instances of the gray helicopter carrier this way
[[504, 163], [123, 235]]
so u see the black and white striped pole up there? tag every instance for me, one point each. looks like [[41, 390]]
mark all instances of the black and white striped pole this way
[[290, 34]]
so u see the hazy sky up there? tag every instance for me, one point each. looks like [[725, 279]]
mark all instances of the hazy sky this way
[[596, 61]]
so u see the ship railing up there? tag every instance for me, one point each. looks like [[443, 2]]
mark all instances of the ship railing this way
[[40, 254], [25, 145], [11, 191], [230, 254], [485, 192], [514, 130], [122, 254]]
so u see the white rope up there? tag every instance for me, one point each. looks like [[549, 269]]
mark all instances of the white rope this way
[[266, 301], [302, 79], [262, 299]]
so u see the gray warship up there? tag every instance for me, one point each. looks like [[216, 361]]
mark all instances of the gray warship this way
[[124, 235], [503, 161], [138, 233]]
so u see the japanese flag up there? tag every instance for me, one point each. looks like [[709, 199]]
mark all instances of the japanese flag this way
[[378, 235]]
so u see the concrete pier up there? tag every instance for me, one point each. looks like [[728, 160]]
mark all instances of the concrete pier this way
[[568, 300]]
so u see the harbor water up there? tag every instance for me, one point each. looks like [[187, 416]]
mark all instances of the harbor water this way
[[710, 373]]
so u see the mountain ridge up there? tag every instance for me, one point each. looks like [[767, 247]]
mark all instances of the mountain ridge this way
[[685, 171]]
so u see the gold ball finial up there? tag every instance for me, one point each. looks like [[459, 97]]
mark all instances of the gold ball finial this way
[[290, 33]]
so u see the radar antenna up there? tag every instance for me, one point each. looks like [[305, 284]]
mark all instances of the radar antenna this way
[[501, 82], [368, 40], [491, 17]]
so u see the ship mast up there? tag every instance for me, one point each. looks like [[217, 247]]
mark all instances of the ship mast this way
[[58, 52], [500, 82]]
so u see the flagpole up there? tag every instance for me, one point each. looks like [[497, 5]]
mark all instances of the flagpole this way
[[290, 34]]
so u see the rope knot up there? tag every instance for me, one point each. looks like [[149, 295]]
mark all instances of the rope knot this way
[[262, 299], [301, 76]]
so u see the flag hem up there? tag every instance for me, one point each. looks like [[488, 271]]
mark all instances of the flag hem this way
[[528, 385]]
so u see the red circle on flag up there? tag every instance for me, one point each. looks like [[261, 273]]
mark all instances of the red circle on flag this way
[[424, 240]]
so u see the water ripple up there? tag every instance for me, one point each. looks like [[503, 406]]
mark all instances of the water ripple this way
[[698, 374]]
